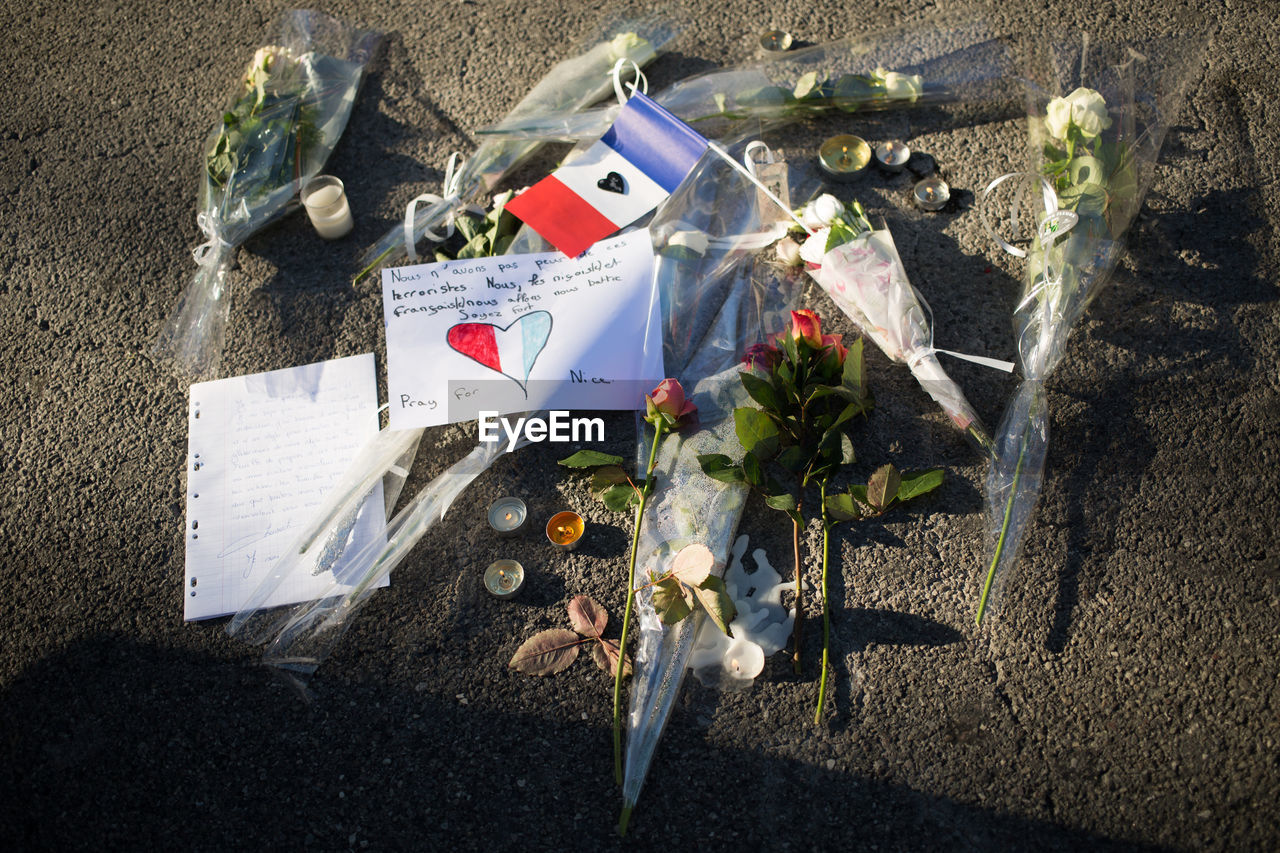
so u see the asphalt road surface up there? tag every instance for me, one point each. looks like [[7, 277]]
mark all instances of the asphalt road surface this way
[[1125, 696]]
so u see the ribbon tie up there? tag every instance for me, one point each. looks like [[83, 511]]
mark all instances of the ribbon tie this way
[[452, 195], [1055, 224], [204, 253], [641, 82]]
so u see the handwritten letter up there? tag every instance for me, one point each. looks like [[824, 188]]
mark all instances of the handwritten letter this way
[[519, 333], [263, 453]]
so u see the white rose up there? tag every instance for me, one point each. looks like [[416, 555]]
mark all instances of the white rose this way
[[902, 87], [822, 211], [632, 47], [1084, 108], [815, 247], [788, 252]]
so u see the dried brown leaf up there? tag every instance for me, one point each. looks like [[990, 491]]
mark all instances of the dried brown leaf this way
[[587, 617], [605, 654], [546, 652]]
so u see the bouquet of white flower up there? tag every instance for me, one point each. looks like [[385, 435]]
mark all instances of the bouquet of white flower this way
[[858, 266], [289, 111], [897, 68], [1093, 155]]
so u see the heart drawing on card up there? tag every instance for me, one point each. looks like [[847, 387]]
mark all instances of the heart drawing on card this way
[[613, 183], [510, 351]]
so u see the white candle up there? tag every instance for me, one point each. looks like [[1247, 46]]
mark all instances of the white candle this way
[[744, 659], [326, 202]]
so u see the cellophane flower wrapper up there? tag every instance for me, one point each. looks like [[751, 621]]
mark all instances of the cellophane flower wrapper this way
[[1143, 86], [867, 281], [286, 116], [714, 305], [384, 461], [569, 86], [932, 64]]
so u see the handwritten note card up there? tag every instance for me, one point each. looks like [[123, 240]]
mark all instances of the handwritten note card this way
[[519, 333], [263, 453]]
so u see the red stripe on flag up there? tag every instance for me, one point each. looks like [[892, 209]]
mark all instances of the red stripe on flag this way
[[561, 216], [478, 341]]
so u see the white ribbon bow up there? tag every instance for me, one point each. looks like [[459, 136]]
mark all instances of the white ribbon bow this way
[[204, 253], [452, 191], [641, 82], [1055, 224]]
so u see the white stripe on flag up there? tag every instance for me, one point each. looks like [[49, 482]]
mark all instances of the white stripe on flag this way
[[583, 174]]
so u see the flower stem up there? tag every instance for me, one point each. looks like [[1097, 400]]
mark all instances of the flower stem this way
[[645, 491], [1004, 532], [798, 634], [826, 607]]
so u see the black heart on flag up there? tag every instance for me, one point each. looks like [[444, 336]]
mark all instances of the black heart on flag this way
[[613, 183]]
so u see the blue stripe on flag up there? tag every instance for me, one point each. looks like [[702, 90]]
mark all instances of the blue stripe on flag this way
[[655, 141]]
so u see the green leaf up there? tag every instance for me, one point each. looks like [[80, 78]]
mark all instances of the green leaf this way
[[843, 507], [752, 470], [838, 236], [759, 389], [854, 375], [793, 459], [882, 488], [756, 432], [913, 485], [847, 455], [603, 478], [1087, 170], [766, 96], [853, 91], [590, 459], [670, 602], [805, 85], [784, 501], [717, 466], [620, 498], [715, 600]]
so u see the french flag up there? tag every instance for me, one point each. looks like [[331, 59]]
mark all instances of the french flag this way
[[627, 173]]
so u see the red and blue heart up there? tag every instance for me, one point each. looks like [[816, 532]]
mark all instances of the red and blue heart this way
[[510, 350]]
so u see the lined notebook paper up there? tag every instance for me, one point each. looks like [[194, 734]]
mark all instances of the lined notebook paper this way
[[263, 452]]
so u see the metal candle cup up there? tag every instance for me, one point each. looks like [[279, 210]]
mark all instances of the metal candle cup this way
[[504, 578], [775, 41], [325, 199], [844, 157], [931, 193], [565, 529], [892, 156], [507, 516]]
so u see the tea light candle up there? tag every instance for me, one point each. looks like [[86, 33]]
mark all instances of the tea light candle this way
[[932, 193], [775, 41], [504, 578], [325, 199], [892, 155], [507, 516], [744, 659], [565, 529], [844, 157]]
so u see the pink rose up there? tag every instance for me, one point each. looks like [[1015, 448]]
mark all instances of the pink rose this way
[[667, 402]]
